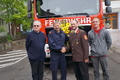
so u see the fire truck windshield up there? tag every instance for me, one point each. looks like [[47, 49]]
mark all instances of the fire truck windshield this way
[[61, 7]]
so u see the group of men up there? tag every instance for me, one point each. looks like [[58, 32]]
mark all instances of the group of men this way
[[98, 38]]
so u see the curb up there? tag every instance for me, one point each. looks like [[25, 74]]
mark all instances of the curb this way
[[11, 49]]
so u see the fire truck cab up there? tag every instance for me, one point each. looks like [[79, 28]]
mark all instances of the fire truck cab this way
[[47, 11]]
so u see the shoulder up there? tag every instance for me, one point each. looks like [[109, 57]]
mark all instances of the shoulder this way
[[105, 31], [52, 31], [84, 35], [29, 33], [90, 31], [82, 32], [41, 32], [62, 32]]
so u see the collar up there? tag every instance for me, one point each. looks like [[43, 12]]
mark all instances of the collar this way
[[76, 31], [97, 31], [36, 32]]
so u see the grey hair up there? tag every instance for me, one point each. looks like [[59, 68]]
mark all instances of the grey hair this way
[[37, 22], [56, 22]]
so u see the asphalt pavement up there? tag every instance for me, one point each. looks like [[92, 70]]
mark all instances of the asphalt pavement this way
[[23, 71]]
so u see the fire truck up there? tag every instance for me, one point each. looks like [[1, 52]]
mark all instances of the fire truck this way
[[47, 11]]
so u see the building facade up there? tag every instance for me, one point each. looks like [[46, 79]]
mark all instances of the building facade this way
[[114, 17]]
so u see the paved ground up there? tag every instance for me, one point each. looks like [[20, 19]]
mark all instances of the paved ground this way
[[23, 71], [115, 48], [12, 57]]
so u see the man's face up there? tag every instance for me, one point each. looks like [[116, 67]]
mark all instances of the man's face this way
[[95, 23], [74, 25], [36, 26], [57, 27]]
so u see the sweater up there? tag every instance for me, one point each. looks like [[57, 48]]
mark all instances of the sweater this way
[[35, 43], [99, 43]]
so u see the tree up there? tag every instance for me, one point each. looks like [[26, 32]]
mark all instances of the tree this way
[[15, 11]]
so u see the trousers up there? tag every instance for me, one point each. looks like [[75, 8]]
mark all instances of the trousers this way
[[104, 65], [81, 70], [58, 61], [37, 69]]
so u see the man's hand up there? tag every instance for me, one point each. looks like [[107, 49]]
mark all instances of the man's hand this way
[[63, 50], [86, 60]]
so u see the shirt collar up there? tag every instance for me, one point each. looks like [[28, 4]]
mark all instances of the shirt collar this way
[[76, 30]]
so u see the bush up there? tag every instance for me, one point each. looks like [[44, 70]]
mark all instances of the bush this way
[[9, 37], [2, 29]]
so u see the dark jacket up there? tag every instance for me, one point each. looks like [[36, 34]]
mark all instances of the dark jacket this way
[[78, 43], [57, 41], [35, 43]]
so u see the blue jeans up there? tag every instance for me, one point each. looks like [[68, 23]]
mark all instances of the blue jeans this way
[[37, 69]]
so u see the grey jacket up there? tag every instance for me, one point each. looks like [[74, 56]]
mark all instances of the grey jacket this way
[[99, 42]]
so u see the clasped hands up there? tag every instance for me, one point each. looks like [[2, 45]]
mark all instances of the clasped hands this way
[[63, 50]]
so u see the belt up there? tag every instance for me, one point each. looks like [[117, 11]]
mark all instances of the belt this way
[[98, 57]]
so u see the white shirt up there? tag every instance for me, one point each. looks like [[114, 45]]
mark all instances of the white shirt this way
[[76, 30]]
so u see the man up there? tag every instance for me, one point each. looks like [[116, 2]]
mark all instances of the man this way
[[99, 41], [35, 42], [78, 43], [56, 40]]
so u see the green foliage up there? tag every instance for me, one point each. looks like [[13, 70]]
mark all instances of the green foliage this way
[[26, 24], [2, 29], [9, 37], [38, 8], [15, 11], [18, 33]]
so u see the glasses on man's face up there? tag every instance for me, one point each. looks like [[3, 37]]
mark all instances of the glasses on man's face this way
[[36, 25]]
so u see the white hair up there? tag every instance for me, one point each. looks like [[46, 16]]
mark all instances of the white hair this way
[[56, 22], [36, 22]]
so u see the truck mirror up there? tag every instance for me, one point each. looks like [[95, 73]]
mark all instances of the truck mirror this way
[[107, 2], [108, 9], [29, 15], [29, 6]]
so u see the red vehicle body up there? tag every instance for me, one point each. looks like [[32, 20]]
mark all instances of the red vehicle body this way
[[47, 11]]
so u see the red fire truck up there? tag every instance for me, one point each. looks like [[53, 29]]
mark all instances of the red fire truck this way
[[47, 11]]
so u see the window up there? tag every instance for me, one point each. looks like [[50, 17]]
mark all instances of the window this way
[[61, 7], [113, 20]]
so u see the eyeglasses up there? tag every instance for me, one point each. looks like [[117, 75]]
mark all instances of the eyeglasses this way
[[36, 25]]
